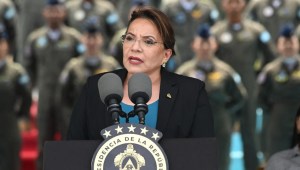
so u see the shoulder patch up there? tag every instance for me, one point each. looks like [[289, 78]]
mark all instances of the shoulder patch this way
[[24, 79], [265, 36], [112, 18], [10, 13]]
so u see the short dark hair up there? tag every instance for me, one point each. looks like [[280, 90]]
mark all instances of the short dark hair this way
[[160, 20]]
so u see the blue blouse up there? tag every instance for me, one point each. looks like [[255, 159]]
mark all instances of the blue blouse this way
[[151, 116]]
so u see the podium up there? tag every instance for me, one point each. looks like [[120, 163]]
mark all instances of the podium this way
[[182, 153]]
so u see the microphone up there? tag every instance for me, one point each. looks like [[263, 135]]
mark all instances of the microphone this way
[[140, 91], [111, 93]]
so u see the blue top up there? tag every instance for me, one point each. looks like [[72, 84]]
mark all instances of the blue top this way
[[151, 116]]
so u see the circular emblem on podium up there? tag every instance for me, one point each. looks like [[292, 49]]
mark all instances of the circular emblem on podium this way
[[130, 147]]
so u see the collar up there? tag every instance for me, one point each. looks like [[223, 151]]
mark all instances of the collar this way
[[187, 5], [290, 65], [54, 34]]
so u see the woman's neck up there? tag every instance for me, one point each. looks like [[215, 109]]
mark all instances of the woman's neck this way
[[155, 79]]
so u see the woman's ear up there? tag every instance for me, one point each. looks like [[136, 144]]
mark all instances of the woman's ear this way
[[167, 55]]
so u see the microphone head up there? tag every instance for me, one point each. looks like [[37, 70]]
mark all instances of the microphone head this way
[[140, 85], [110, 87]]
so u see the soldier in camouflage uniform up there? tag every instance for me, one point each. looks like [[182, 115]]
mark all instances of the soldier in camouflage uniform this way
[[274, 14], [185, 16], [225, 91], [15, 101], [47, 51], [279, 93], [104, 11], [8, 20], [246, 46], [76, 72]]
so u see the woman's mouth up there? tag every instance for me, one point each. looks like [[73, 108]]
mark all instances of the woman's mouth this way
[[135, 60]]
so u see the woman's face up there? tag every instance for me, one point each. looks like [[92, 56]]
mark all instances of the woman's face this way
[[143, 49]]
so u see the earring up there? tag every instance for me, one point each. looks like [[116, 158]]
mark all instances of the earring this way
[[164, 64]]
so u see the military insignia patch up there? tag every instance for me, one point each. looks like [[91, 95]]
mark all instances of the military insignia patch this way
[[129, 146]]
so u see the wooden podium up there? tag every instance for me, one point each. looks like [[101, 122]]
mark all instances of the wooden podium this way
[[182, 154]]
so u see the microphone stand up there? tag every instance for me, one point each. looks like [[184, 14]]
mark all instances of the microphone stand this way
[[114, 108], [141, 109]]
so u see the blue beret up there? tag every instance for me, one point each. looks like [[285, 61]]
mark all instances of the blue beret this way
[[92, 26], [203, 31], [287, 31]]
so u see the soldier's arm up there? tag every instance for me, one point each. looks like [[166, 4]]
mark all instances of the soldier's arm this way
[[237, 92], [65, 94], [267, 48], [30, 61], [24, 94], [264, 90]]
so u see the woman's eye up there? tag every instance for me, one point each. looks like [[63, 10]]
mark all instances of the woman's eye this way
[[128, 38], [149, 42]]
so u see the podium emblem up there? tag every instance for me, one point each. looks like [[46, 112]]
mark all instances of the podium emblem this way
[[130, 147]]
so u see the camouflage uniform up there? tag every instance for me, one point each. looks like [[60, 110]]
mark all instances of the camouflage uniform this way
[[8, 20], [45, 59], [185, 23], [73, 78], [246, 47], [79, 11], [226, 94], [274, 14], [279, 97], [14, 90]]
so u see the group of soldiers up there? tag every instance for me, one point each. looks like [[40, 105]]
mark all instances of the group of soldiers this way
[[247, 53]]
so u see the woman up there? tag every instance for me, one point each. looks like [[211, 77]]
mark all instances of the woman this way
[[182, 107]]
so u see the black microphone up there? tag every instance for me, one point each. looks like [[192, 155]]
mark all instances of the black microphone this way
[[111, 93], [140, 91]]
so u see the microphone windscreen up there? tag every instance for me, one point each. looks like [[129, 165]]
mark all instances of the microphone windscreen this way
[[140, 85], [110, 86]]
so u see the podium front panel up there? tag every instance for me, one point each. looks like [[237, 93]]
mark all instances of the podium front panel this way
[[182, 154]]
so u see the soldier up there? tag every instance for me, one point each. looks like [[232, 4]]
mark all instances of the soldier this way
[[76, 72], [15, 101], [47, 51], [8, 19], [279, 92], [185, 16], [245, 45], [225, 90], [274, 14], [104, 11], [29, 18]]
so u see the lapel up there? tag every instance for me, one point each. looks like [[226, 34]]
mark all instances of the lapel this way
[[167, 96]]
